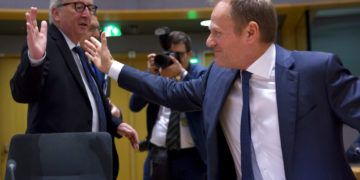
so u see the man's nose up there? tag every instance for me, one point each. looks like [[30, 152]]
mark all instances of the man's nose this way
[[210, 42]]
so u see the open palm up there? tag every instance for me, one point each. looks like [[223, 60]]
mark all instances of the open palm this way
[[99, 53], [36, 39]]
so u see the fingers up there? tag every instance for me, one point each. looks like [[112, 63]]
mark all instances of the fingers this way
[[174, 60], [95, 42], [33, 14], [89, 56], [31, 23], [43, 28], [127, 131], [90, 47], [103, 40], [29, 27], [28, 19], [151, 56], [31, 17]]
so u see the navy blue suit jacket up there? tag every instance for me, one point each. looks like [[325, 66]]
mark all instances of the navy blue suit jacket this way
[[195, 120], [315, 95]]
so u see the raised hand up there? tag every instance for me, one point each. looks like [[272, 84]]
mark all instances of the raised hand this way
[[36, 39], [99, 53], [151, 65]]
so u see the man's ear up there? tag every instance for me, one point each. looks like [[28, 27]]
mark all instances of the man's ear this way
[[190, 53], [252, 31], [55, 13]]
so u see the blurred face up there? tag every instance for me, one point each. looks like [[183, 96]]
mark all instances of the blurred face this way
[[70, 21], [93, 30], [184, 56], [229, 46], [94, 27]]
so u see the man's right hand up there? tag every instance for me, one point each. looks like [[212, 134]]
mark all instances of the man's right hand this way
[[99, 53], [151, 65], [36, 39]]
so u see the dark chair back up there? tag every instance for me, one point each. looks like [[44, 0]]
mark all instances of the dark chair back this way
[[65, 156]]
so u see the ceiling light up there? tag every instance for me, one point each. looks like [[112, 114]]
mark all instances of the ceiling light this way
[[205, 23]]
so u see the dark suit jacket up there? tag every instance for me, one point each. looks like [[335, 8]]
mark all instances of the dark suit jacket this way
[[55, 92], [315, 96], [195, 120]]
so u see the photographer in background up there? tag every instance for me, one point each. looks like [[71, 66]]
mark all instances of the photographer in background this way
[[176, 140]]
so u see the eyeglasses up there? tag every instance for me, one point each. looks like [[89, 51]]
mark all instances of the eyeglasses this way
[[80, 7]]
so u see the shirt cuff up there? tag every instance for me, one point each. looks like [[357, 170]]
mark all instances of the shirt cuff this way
[[183, 74], [36, 62], [115, 70]]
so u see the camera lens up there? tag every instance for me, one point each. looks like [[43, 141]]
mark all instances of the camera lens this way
[[162, 61]]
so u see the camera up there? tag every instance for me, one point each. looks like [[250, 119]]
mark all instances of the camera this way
[[163, 60]]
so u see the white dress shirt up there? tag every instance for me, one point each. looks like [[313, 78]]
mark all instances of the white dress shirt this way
[[265, 133], [158, 136]]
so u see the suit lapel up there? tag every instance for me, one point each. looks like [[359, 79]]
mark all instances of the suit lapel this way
[[286, 95], [221, 82], [67, 55]]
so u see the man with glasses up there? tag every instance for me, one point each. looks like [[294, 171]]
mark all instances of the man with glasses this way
[[187, 159], [52, 78]]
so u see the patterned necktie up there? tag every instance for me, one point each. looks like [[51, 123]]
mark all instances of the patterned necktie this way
[[245, 135], [173, 131], [93, 88]]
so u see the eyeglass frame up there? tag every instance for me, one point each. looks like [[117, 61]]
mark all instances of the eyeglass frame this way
[[91, 7]]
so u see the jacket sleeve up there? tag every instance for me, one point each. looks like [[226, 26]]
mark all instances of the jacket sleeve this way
[[343, 92], [181, 96], [137, 103], [28, 80]]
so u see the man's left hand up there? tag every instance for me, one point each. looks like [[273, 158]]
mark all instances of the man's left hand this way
[[126, 130]]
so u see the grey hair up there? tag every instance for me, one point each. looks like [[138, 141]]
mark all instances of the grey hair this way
[[53, 4]]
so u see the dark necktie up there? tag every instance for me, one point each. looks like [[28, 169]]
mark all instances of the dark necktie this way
[[173, 131], [93, 88], [245, 135], [100, 77]]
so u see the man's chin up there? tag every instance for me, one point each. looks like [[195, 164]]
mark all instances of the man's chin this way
[[221, 63]]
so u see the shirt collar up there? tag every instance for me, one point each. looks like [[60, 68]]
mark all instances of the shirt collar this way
[[264, 65], [69, 42]]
